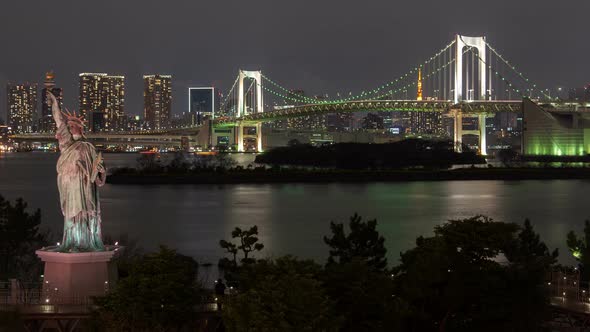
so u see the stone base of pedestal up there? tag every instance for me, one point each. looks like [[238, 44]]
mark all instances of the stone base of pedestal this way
[[77, 277]]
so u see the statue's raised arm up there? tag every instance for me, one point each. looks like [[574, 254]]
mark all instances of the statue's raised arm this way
[[57, 116]]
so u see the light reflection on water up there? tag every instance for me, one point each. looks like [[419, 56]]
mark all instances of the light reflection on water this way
[[293, 218]]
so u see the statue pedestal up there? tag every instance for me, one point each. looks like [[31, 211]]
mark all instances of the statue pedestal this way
[[73, 278]]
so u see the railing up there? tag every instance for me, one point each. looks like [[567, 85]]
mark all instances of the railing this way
[[567, 292], [35, 299]]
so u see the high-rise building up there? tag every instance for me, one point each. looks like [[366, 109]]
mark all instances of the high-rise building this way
[[22, 106], [423, 122], [373, 122], [203, 103], [157, 96], [103, 96], [310, 122], [339, 121], [46, 122]]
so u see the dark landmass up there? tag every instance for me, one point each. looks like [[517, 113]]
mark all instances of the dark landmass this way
[[347, 176], [398, 155]]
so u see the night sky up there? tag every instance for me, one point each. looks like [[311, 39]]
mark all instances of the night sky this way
[[319, 46]]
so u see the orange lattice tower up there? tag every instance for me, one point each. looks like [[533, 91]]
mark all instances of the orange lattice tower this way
[[419, 97]]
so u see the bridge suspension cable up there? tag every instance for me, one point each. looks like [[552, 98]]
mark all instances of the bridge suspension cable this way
[[428, 75], [501, 77], [438, 81], [227, 96], [367, 93], [513, 68]]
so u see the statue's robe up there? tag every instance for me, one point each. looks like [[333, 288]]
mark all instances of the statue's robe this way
[[77, 168]]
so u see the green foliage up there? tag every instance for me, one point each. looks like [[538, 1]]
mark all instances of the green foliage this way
[[149, 163], [159, 294], [580, 249], [453, 281], [280, 295], [529, 250], [128, 257], [363, 242], [11, 322], [293, 142], [179, 163], [364, 298], [478, 238], [223, 161], [19, 238]]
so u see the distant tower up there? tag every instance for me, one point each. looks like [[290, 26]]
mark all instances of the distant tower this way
[[419, 97], [46, 123]]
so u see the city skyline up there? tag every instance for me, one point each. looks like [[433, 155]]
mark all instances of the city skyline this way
[[315, 57]]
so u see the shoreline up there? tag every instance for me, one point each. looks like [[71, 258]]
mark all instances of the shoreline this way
[[351, 176]]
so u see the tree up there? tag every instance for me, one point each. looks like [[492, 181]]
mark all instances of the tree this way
[[580, 249], [159, 294], [280, 295], [149, 162], [506, 156], [11, 321], [247, 243], [529, 250], [293, 142], [223, 161], [19, 238], [179, 163], [453, 281], [128, 257], [363, 242], [363, 297], [231, 249]]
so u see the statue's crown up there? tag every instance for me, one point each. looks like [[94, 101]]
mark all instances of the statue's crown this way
[[73, 117]]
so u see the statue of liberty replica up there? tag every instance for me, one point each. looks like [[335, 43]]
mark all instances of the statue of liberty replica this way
[[80, 171], [81, 266]]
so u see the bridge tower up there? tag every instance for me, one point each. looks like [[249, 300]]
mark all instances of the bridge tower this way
[[257, 77], [479, 44], [242, 110]]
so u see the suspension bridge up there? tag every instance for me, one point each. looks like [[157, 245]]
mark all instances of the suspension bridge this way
[[468, 78]]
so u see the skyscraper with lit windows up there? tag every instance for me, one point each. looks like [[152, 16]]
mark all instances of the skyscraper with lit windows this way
[[102, 96], [157, 96], [22, 106]]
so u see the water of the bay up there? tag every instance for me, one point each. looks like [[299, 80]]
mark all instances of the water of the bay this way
[[293, 218]]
